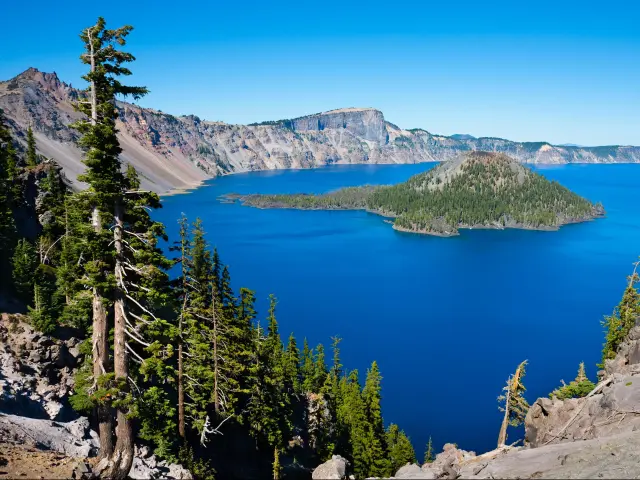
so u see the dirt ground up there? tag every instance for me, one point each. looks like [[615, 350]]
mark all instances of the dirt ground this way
[[21, 462]]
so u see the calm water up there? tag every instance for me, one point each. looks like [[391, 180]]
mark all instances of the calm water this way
[[447, 319]]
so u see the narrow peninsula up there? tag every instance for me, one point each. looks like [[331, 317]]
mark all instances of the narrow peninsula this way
[[476, 190]]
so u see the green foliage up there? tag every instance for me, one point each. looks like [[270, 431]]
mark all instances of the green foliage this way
[[156, 414], [307, 369], [25, 263], [277, 467], [199, 468], [428, 454], [46, 302], [81, 399], [32, 156], [401, 451], [377, 445], [513, 402], [319, 369], [7, 176], [622, 320], [578, 388], [233, 369], [352, 414]]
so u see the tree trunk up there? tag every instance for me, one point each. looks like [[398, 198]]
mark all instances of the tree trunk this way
[[94, 99], [100, 342], [123, 454], [181, 429], [216, 398], [100, 327], [502, 436]]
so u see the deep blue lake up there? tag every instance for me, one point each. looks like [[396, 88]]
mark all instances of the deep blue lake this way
[[447, 319]]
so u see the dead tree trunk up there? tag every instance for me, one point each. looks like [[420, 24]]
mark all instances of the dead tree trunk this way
[[502, 436], [513, 404], [216, 398], [181, 421]]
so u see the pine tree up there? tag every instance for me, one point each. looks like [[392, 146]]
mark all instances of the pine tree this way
[[319, 369], [32, 156], [515, 405], [277, 468], [216, 271], [143, 294], [269, 407], [622, 320], [428, 454], [44, 312], [182, 290], [578, 388], [25, 263], [352, 414], [71, 274], [52, 204], [376, 448], [307, 368], [400, 449], [7, 176], [107, 190], [336, 369], [582, 376], [292, 366]]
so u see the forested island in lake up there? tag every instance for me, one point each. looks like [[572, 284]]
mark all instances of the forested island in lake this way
[[476, 190]]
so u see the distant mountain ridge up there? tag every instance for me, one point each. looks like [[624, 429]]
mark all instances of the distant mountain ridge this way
[[179, 152]]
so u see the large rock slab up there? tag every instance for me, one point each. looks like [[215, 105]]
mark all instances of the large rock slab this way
[[74, 439], [334, 469], [617, 456]]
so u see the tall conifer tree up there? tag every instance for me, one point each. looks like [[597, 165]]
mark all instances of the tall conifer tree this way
[[107, 190], [7, 176], [400, 449], [32, 156], [377, 448]]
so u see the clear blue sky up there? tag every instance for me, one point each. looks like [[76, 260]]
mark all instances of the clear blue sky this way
[[560, 71]]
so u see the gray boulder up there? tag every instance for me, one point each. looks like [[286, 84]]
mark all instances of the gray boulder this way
[[412, 470], [147, 466], [617, 456], [74, 439], [334, 469]]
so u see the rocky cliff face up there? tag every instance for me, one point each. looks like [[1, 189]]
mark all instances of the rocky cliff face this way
[[175, 152]]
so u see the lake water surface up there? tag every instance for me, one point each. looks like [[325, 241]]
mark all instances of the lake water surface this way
[[447, 319]]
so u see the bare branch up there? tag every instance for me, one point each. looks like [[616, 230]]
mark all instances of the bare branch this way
[[133, 352], [206, 430]]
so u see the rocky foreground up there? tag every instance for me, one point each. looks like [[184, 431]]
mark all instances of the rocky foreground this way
[[179, 152], [40, 434], [593, 437]]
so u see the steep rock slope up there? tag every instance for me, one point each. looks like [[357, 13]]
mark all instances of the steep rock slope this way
[[174, 152]]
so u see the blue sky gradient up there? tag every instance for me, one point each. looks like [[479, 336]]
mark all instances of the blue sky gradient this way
[[562, 71]]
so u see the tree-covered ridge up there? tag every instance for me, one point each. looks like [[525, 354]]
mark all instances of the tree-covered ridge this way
[[480, 189]]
